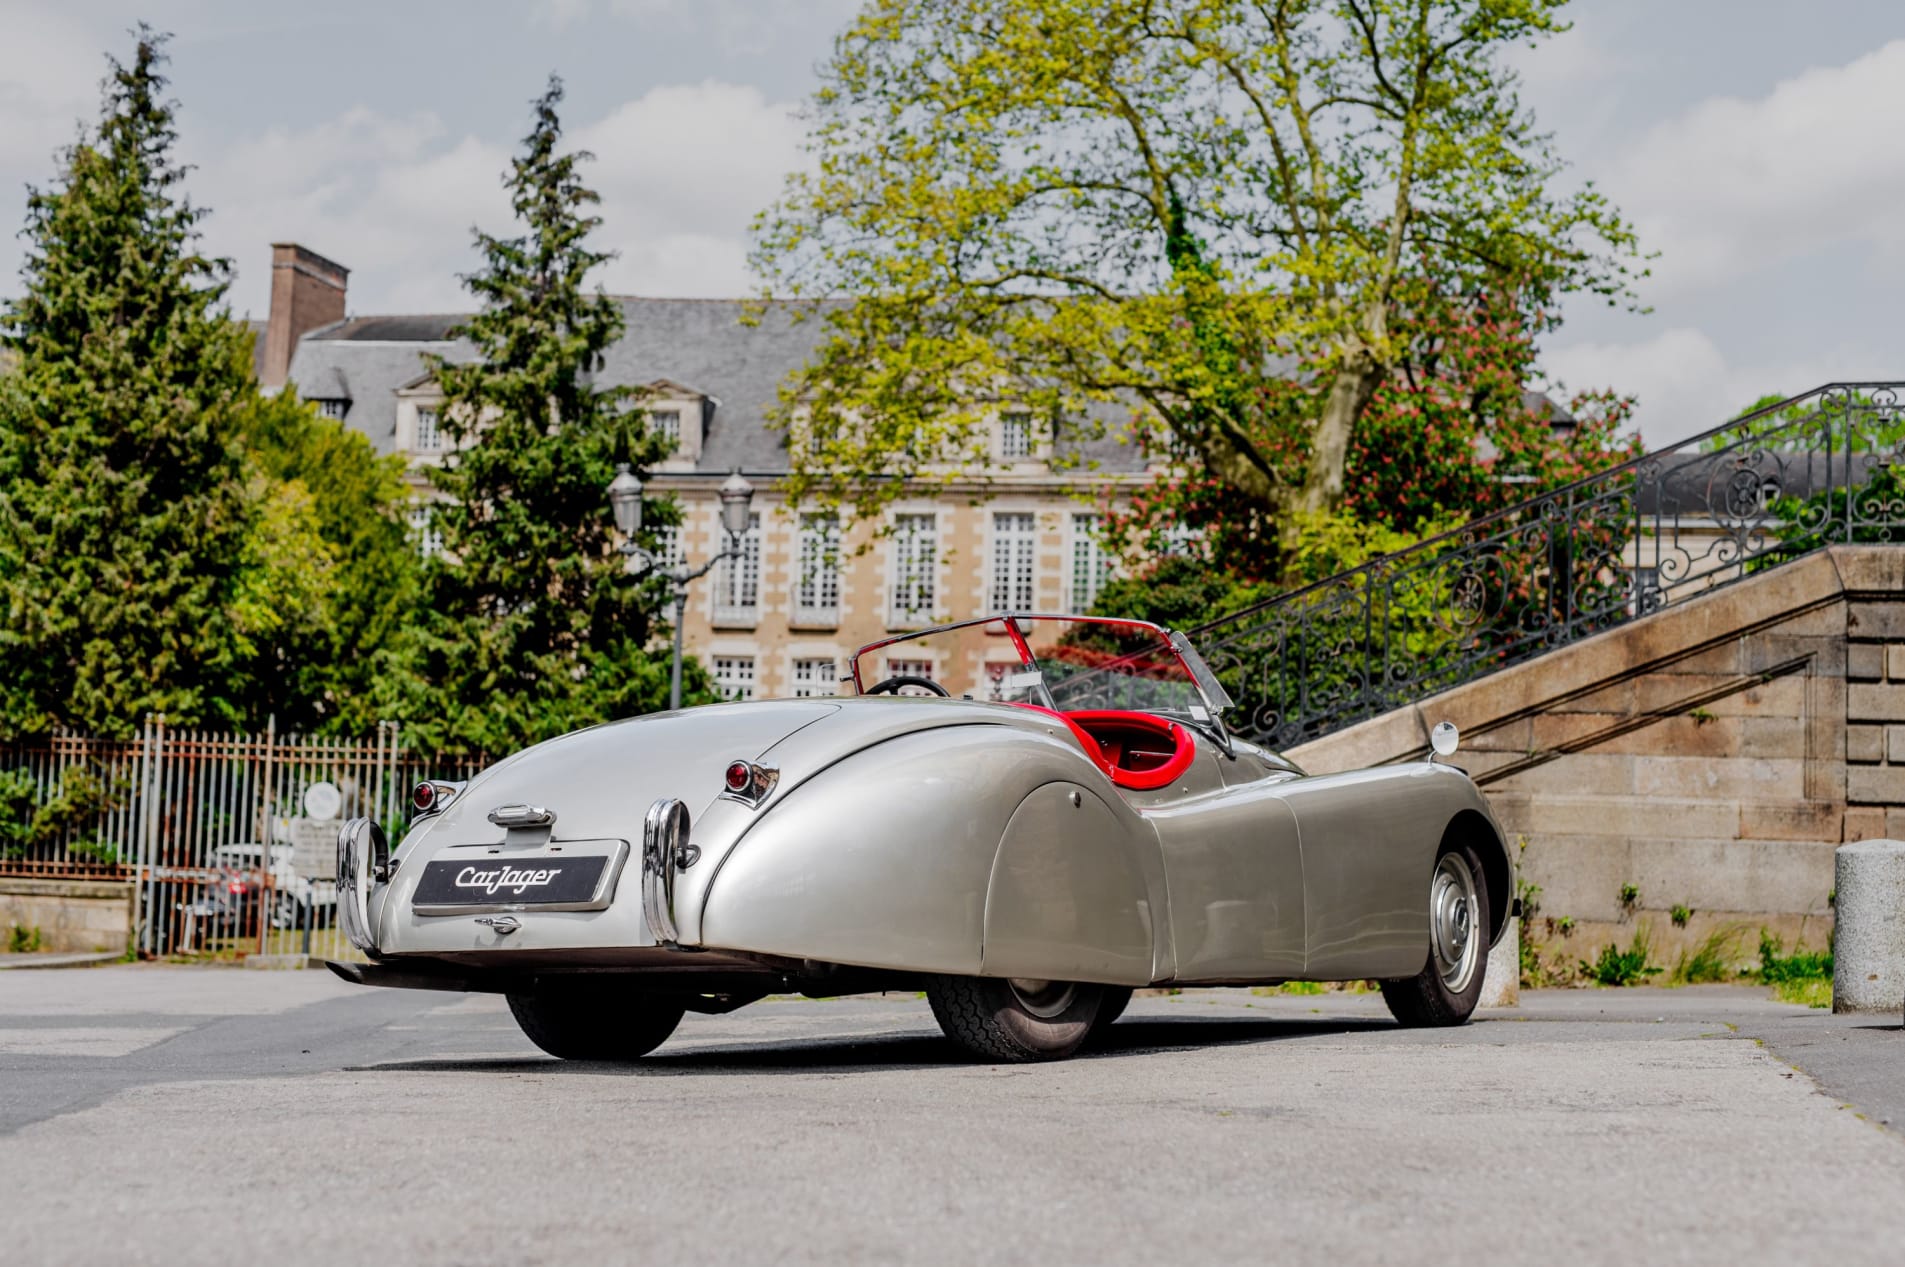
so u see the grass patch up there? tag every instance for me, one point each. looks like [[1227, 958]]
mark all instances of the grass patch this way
[[1617, 967], [1802, 965], [1803, 977], [25, 940], [1316, 987], [1809, 992], [1712, 959]]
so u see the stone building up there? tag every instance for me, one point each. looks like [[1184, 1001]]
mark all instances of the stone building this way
[[781, 620]]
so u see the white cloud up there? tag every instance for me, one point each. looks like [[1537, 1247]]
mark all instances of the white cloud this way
[[1686, 384], [392, 199], [50, 69], [1737, 185], [737, 26], [681, 171]]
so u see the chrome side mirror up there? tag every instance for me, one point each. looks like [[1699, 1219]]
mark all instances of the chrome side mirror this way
[[1443, 740]]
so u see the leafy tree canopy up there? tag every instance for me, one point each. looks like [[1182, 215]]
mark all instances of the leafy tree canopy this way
[[123, 515], [332, 572], [530, 626], [1244, 217]]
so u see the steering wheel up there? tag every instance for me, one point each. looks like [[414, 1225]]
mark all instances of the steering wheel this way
[[892, 685]]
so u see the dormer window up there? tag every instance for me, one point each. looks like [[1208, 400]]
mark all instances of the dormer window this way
[[429, 434], [666, 423], [333, 408], [679, 416], [1015, 436]]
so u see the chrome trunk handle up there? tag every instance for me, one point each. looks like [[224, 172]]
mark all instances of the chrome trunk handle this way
[[664, 847]]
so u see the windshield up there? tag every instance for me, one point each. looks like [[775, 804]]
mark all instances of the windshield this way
[[1061, 662]]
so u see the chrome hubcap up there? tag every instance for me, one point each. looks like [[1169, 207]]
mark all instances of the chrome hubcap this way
[[1043, 999], [1455, 918]]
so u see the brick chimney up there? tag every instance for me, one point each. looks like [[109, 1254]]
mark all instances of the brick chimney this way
[[307, 291]]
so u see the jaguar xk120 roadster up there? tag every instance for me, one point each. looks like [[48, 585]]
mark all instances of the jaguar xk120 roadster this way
[[1024, 816]]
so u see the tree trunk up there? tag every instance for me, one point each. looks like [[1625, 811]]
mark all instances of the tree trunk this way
[[1322, 489]]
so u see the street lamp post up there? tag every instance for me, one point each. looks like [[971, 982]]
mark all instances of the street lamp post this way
[[625, 499]]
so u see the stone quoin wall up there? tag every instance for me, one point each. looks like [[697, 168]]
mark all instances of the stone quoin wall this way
[[1712, 756], [72, 916]]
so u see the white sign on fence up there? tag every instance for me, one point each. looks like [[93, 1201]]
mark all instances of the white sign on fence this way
[[314, 848], [322, 801]]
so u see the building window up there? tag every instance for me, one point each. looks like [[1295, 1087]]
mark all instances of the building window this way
[[1014, 547], [909, 668], [817, 591], [815, 677], [429, 437], [915, 567], [668, 546], [424, 531], [333, 409], [734, 676], [737, 588], [666, 423], [1015, 436], [1091, 562]]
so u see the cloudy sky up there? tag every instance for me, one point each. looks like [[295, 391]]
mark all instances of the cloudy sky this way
[[1749, 139]]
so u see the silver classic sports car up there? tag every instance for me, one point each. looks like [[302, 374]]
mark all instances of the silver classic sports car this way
[[1024, 816]]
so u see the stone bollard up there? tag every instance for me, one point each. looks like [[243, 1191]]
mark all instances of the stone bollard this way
[[1868, 972], [1502, 986]]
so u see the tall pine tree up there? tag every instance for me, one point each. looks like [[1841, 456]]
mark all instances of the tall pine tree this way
[[530, 625], [123, 515]]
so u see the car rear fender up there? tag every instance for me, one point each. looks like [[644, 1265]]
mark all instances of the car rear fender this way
[[913, 853]]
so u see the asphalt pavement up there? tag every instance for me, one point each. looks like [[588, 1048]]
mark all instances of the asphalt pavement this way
[[155, 1114]]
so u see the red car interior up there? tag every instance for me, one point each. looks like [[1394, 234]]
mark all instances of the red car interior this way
[[1139, 751]]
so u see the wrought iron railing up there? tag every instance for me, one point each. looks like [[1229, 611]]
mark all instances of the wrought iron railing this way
[[1766, 487]]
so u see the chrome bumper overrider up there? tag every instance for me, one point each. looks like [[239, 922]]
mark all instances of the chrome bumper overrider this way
[[665, 849], [363, 859]]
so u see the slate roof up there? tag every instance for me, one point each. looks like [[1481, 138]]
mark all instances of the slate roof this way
[[358, 360], [700, 342]]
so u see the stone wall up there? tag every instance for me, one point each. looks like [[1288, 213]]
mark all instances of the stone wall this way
[[71, 915], [1711, 756]]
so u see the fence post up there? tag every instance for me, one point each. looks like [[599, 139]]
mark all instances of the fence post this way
[[267, 895], [151, 758]]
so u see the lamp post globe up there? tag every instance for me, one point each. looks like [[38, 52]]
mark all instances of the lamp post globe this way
[[625, 499], [736, 496]]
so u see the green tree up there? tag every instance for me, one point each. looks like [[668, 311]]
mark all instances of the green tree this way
[[123, 514], [530, 626], [1454, 434], [1231, 213], [332, 574]]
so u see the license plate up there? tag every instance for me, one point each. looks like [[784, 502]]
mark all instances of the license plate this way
[[573, 880]]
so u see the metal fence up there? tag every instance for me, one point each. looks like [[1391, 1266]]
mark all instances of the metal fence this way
[[1749, 494], [210, 829]]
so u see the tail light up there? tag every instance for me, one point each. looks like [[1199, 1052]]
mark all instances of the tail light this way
[[433, 796], [748, 782]]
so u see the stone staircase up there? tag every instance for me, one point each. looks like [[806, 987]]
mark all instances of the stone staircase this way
[[1681, 683]]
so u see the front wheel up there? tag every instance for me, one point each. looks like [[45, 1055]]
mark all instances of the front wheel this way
[[1450, 984], [1014, 1019], [594, 1024]]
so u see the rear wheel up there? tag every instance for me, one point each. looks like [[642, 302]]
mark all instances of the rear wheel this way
[[1446, 990], [595, 1024], [1015, 1019], [1111, 1005]]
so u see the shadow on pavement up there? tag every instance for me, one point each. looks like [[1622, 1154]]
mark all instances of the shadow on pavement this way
[[1133, 1037]]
